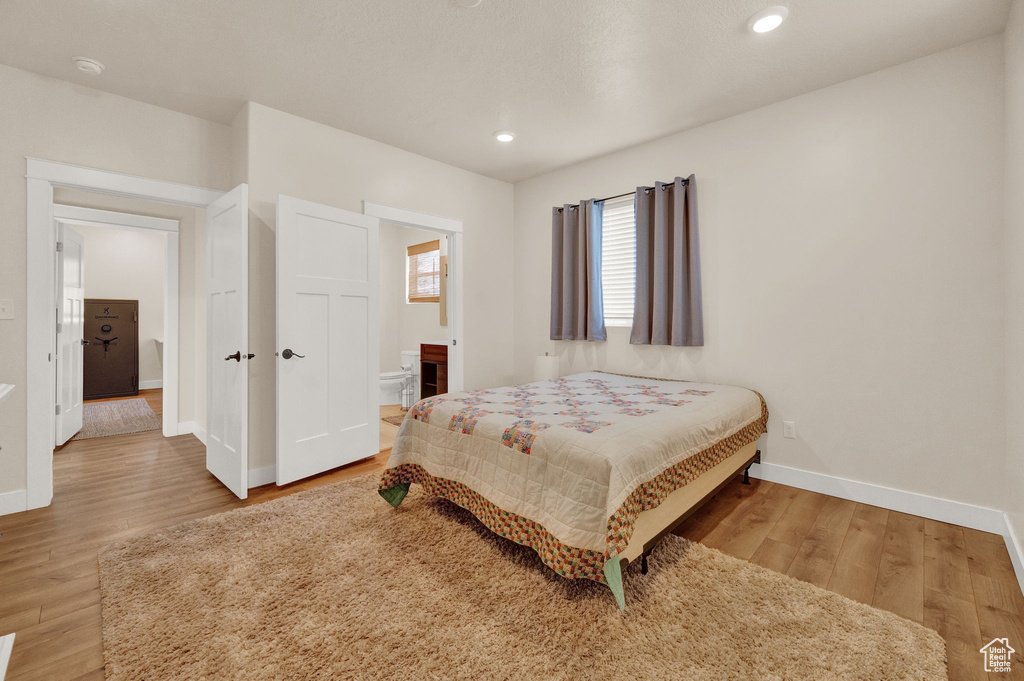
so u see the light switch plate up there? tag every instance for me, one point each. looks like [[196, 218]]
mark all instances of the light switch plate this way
[[6, 308]]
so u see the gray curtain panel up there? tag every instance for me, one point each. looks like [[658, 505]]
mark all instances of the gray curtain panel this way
[[577, 307], [668, 307]]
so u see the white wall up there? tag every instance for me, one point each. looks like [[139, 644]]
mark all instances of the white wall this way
[[403, 325], [59, 121], [293, 156], [851, 241], [1014, 208], [129, 265]]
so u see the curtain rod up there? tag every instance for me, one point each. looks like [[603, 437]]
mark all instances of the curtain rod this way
[[619, 196]]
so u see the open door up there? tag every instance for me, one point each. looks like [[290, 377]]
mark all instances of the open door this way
[[70, 332], [328, 364], [227, 339]]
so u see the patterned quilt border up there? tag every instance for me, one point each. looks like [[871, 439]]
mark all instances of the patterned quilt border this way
[[570, 561]]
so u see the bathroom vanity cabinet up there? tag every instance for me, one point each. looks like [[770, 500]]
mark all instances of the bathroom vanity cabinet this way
[[433, 370]]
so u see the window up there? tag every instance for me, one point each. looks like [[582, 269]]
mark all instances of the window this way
[[618, 261], [425, 272]]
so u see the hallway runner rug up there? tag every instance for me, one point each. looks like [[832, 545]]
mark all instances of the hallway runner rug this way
[[117, 417]]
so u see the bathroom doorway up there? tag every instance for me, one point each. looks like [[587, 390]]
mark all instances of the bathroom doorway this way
[[420, 312]]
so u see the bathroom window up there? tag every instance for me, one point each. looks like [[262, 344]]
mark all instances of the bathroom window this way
[[424, 263]]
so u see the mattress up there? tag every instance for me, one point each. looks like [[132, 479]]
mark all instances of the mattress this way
[[565, 466]]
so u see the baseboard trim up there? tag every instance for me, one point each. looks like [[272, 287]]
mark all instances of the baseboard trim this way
[[262, 476], [1013, 547], [192, 428], [150, 385], [6, 646], [13, 502], [954, 512]]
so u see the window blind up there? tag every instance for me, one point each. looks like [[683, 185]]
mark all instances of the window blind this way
[[425, 272], [618, 261]]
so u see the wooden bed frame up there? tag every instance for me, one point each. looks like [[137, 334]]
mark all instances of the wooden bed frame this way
[[654, 525]]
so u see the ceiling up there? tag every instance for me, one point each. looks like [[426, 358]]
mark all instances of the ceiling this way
[[573, 78]]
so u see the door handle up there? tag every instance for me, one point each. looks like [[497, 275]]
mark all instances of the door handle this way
[[237, 357], [288, 354], [85, 342]]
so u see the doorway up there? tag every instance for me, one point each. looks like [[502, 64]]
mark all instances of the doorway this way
[[128, 270], [451, 230], [42, 179], [409, 326]]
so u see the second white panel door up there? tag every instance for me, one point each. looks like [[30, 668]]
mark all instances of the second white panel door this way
[[327, 338], [227, 339], [70, 338]]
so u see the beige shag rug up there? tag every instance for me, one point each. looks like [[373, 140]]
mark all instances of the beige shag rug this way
[[118, 417], [333, 583], [393, 420]]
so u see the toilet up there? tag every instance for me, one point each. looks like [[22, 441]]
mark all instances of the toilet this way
[[402, 387]]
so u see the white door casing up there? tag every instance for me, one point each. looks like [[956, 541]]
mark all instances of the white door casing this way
[[227, 333], [327, 314], [70, 330], [41, 178]]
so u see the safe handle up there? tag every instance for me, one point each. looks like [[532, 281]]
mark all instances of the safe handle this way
[[288, 354], [237, 357]]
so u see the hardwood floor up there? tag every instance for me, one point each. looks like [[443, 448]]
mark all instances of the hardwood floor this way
[[959, 582], [388, 431]]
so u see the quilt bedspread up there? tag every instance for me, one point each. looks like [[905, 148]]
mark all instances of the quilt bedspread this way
[[565, 466]]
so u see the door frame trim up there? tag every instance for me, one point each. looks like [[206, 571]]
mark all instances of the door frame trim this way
[[453, 230], [41, 178], [94, 217]]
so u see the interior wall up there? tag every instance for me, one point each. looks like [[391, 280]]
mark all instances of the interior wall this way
[[293, 156], [404, 325], [191, 288], [60, 121], [851, 246], [1014, 209], [129, 265]]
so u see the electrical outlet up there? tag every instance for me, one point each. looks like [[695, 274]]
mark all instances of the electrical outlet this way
[[789, 430], [6, 308]]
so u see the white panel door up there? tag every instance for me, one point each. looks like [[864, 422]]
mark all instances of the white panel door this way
[[227, 339], [328, 366], [70, 332]]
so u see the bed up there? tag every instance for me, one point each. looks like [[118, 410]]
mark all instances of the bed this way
[[589, 470]]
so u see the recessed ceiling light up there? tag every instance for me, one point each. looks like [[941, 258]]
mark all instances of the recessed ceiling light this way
[[90, 66], [504, 136], [768, 19]]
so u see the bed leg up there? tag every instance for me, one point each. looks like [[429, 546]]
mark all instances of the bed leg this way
[[613, 575], [643, 563], [394, 495], [746, 471]]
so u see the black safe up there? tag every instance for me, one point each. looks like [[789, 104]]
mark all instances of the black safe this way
[[111, 357]]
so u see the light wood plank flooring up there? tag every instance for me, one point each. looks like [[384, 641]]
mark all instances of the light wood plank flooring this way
[[388, 431], [957, 581]]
